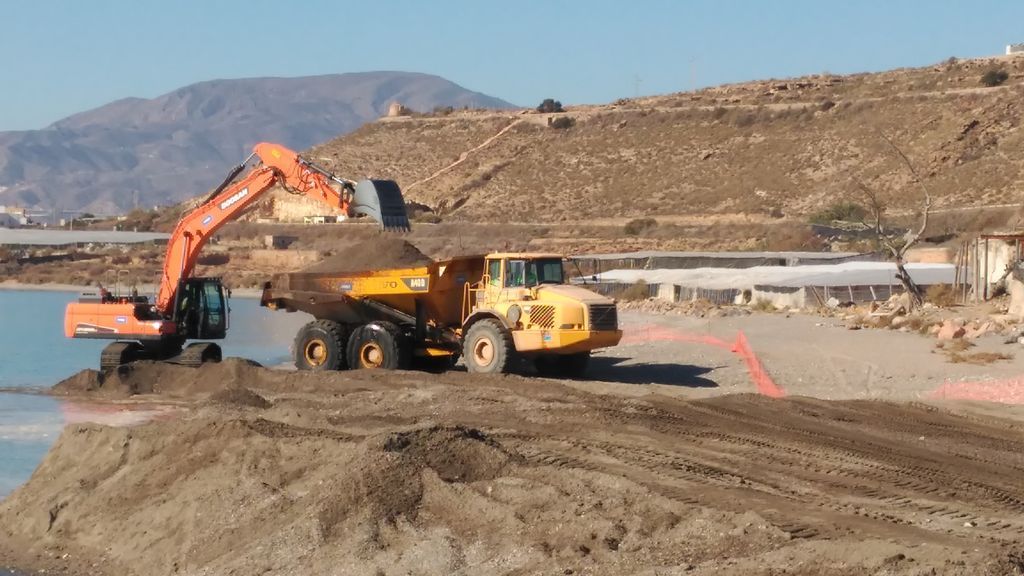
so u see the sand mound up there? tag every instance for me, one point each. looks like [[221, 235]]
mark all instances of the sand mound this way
[[375, 472], [85, 381], [241, 397], [372, 254], [166, 379], [386, 482]]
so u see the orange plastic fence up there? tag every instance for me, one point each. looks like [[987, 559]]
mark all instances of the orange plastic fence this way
[[741, 347]]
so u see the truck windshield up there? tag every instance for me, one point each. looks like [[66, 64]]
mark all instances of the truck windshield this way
[[520, 273]]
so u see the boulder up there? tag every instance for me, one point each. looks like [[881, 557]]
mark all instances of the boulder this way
[[1016, 289], [950, 330], [975, 331]]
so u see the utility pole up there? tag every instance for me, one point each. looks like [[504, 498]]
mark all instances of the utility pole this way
[[636, 86]]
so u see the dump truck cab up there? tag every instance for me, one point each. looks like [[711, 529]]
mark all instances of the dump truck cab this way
[[523, 307]]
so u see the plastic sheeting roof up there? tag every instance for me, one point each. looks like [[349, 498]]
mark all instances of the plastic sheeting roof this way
[[844, 274], [30, 236], [724, 255]]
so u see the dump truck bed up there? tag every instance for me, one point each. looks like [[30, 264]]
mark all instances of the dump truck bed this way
[[434, 291]]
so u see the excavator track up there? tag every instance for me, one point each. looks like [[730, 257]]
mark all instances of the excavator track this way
[[118, 353], [198, 353]]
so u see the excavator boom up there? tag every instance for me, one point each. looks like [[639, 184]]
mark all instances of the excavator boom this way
[[380, 200], [188, 307]]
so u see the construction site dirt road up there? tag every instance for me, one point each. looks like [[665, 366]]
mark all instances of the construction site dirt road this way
[[250, 470]]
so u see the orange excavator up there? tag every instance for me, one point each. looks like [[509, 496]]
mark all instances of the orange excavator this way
[[191, 308]]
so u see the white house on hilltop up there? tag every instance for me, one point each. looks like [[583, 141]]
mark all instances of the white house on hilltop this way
[[1014, 49]]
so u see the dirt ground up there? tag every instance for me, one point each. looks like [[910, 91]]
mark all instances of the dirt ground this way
[[669, 462]]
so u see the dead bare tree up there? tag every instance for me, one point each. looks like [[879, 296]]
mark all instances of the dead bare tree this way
[[897, 244]]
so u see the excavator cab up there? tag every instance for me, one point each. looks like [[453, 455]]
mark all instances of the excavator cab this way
[[200, 309]]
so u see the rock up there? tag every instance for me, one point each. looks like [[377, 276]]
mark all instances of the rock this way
[[898, 322], [1016, 289], [900, 301], [974, 332], [950, 331], [832, 302]]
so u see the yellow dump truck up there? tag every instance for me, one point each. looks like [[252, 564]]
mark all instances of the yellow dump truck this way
[[492, 310]]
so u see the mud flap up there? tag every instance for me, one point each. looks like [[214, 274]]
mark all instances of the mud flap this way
[[381, 200]]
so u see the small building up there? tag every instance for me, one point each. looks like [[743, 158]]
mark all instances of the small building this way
[[319, 219], [1012, 49], [8, 221], [278, 241], [12, 217]]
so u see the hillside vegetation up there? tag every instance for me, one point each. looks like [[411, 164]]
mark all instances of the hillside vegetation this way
[[725, 167]]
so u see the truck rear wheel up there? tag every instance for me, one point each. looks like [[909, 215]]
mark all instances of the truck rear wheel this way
[[379, 345], [320, 345], [487, 348]]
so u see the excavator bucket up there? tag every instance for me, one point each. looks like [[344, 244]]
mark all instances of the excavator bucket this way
[[381, 200]]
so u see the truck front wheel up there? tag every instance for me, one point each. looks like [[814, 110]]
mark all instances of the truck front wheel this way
[[320, 346], [379, 345], [487, 348]]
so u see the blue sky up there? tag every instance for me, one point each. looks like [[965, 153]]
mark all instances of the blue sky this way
[[62, 57]]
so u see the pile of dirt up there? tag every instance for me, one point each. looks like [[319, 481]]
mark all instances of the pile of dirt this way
[[241, 397], [373, 472], [382, 252], [387, 481], [160, 378]]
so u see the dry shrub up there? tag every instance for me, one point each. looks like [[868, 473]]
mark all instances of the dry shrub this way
[[994, 77], [918, 324], [942, 295], [745, 119], [956, 345], [763, 305], [562, 122], [978, 358], [789, 238], [427, 218], [639, 226], [214, 259], [637, 291]]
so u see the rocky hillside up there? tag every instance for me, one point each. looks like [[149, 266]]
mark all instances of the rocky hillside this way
[[747, 158], [145, 152]]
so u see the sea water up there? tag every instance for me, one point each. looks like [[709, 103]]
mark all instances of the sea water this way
[[34, 355]]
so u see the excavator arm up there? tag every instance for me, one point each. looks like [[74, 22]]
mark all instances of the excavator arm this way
[[380, 200]]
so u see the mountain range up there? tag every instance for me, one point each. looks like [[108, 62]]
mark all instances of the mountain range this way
[[139, 152]]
